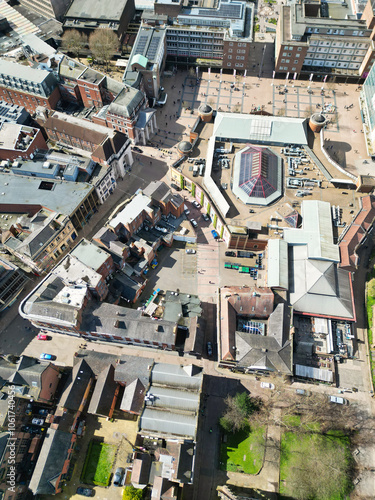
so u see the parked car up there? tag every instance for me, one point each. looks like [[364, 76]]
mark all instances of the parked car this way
[[209, 349], [206, 217], [86, 492], [48, 357], [42, 336], [137, 149], [267, 385], [338, 400], [119, 474], [303, 392], [37, 421], [230, 253], [194, 222], [43, 412], [196, 204], [187, 212], [190, 250]]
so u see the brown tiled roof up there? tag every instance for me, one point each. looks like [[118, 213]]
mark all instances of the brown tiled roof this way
[[110, 146], [74, 130]]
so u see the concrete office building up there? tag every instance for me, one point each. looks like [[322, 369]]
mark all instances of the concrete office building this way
[[219, 36], [324, 39], [86, 15], [47, 8]]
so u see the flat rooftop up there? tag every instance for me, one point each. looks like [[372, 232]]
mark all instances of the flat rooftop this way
[[139, 203], [87, 9]]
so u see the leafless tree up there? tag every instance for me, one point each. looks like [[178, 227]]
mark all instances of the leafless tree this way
[[73, 41], [103, 44]]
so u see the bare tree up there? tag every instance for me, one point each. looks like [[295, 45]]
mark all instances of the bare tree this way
[[73, 41], [103, 44]]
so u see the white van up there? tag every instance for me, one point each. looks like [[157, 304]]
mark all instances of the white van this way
[[338, 400]]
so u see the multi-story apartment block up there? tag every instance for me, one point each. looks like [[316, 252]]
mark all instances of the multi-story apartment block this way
[[28, 87], [41, 240], [218, 36], [12, 282], [147, 60], [47, 8], [324, 39], [20, 141]]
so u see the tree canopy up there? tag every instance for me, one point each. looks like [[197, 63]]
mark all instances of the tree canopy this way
[[103, 44], [238, 410], [131, 493], [73, 41]]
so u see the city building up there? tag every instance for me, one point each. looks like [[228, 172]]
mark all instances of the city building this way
[[39, 241], [12, 282], [28, 87], [147, 61], [47, 8], [53, 462], [324, 39], [13, 113], [32, 380], [86, 16], [215, 36], [20, 141], [108, 147], [367, 102]]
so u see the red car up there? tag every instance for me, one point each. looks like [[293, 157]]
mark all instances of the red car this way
[[42, 336]]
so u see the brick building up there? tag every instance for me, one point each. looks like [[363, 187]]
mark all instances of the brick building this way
[[20, 141]]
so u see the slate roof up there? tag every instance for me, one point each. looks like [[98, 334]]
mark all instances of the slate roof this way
[[51, 461], [126, 102], [133, 398], [131, 368], [141, 470], [104, 392], [96, 360], [74, 130], [76, 385], [110, 146], [271, 352], [27, 372]]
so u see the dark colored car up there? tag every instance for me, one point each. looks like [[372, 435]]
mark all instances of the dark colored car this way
[[118, 476], [229, 253], [86, 492], [137, 149]]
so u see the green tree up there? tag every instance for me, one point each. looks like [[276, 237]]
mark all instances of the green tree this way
[[182, 181], [131, 493], [73, 41], [103, 44]]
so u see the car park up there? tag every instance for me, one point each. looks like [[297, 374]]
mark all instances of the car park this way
[[267, 385], [194, 222], [46, 356], [42, 336], [86, 492], [209, 349], [190, 250], [37, 421], [118, 475]]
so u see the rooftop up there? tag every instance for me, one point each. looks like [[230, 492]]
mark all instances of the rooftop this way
[[139, 203], [72, 271], [103, 11], [89, 254]]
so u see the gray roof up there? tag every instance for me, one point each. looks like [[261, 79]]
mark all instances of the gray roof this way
[[167, 423], [89, 254], [131, 368], [166, 397], [272, 352], [96, 360], [188, 376], [260, 129], [316, 231], [319, 287], [104, 392], [64, 197], [27, 372], [126, 102], [101, 318], [51, 461], [25, 72], [277, 275], [87, 9], [76, 385], [133, 398], [186, 462]]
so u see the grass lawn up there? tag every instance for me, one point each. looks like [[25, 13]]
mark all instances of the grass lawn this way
[[296, 450], [369, 306], [243, 451], [98, 464]]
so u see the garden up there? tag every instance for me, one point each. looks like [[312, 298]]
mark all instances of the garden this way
[[98, 463], [243, 451]]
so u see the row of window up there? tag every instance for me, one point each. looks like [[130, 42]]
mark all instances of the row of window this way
[[238, 65], [239, 58], [335, 32]]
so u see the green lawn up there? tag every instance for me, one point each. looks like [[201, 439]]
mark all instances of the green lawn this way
[[243, 451], [98, 463], [302, 452]]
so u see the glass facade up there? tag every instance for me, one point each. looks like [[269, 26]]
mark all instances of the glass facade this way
[[368, 95]]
